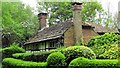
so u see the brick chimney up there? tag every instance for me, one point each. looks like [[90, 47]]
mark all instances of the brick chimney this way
[[42, 16], [77, 7]]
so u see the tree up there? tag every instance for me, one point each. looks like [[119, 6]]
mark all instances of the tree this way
[[90, 10], [60, 12], [18, 22]]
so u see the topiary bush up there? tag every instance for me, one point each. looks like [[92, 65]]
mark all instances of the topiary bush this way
[[8, 51], [86, 63], [36, 57], [16, 63], [79, 62], [78, 51], [56, 59]]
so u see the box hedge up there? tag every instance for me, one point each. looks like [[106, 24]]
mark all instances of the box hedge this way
[[78, 51], [36, 57], [15, 63], [86, 63], [8, 51], [56, 59]]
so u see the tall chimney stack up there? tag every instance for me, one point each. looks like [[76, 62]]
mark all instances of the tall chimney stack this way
[[42, 16], [77, 7]]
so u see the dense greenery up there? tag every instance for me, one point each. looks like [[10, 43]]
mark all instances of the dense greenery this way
[[8, 51], [106, 39], [62, 11], [111, 53], [18, 22], [16, 63], [84, 62], [56, 59], [36, 57], [104, 46], [78, 51]]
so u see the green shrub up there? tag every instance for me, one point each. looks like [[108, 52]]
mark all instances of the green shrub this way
[[106, 39], [86, 63], [15, 63], [78, 51], [36, 57], [103, 43], [111, 53], [22, 55], [59, 50], [106, 51], [56, 59], [81, 61], [8, 51]]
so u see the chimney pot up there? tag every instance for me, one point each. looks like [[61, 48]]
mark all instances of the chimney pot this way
[[77, 6]]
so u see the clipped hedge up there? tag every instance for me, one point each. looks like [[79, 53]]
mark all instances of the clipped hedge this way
[[8, 51], [78, 51], [36, 57], [15, 63], [56, 59], [86, 63]]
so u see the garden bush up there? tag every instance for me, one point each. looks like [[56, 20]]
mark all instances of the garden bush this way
[[106, 51], [15, 63], [36, 57], [78, 51], [86, 63], [61, 49], [104, 44], [106, 39], [111, 53], [56, 59], [8, 51]]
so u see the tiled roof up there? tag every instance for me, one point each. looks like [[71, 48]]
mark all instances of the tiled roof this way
[[100, 29], [51, 32], [58, 30]]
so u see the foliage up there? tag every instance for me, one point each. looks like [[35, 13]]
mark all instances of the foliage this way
[[89, 11], [36, 57], [8, 51], [18, 22], [61, 49], [111, 53], [106, 39], [16, 63], [78, 51], [56, 59], [60, 12], [83, 63], [101, 45]]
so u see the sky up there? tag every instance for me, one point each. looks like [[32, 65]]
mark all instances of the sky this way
[[112, 4]]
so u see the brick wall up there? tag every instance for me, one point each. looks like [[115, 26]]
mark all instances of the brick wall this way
[[69, 37], [88, 33]]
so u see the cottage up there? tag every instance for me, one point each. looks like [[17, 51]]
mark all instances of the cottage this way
[[66, 34]]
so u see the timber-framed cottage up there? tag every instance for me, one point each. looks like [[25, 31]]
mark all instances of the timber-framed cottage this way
[[66, 33]]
